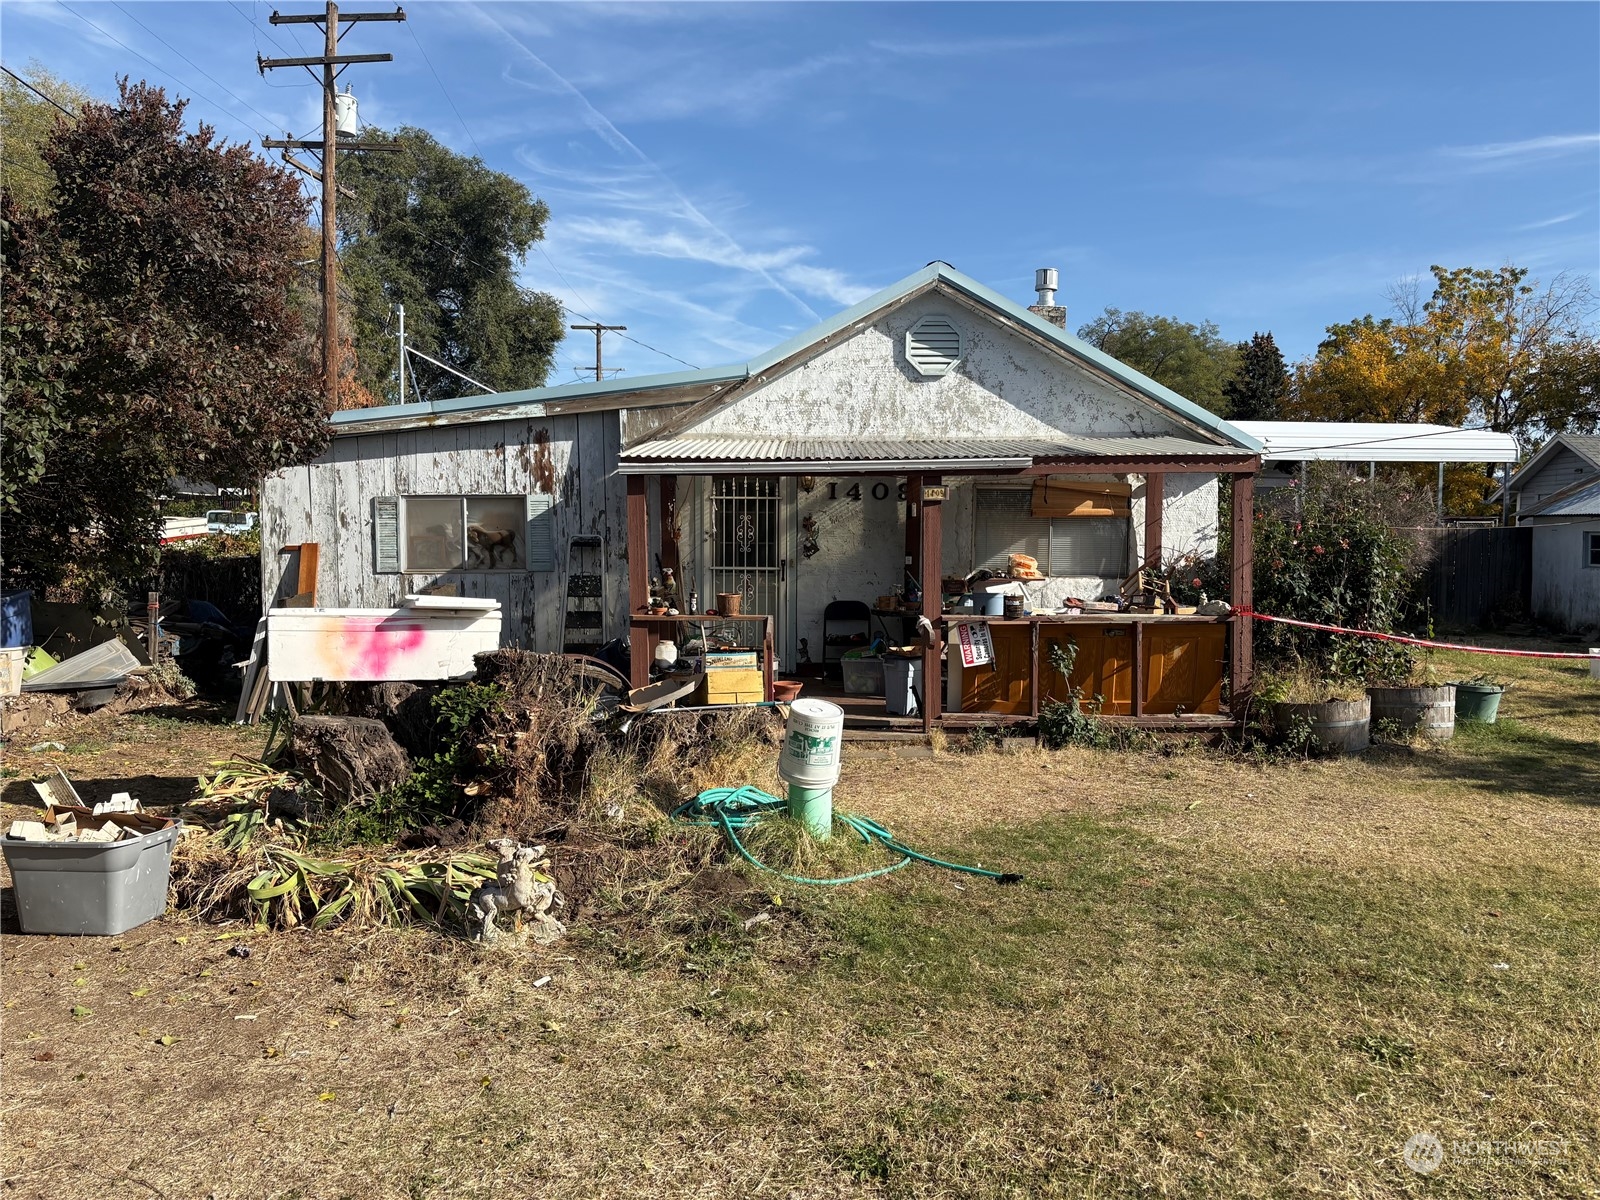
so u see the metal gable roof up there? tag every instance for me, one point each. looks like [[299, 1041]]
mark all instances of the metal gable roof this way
[[531, 401]]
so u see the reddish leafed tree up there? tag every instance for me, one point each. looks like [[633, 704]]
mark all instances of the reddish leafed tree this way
[[151, 332]]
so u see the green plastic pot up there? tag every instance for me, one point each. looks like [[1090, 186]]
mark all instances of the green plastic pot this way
[[1478, 702]]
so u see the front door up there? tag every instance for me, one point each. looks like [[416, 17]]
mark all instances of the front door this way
[[746, 543]]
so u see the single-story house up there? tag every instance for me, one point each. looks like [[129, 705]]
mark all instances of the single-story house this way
[[931, 430], [1566, 554], [1566, 459]]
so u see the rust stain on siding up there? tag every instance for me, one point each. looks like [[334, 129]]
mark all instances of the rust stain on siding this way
[[540, 464]]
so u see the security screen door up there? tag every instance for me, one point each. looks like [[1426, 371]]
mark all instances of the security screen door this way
[[745, 541]]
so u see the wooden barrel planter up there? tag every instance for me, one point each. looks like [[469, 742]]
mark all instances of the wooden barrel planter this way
[[1332, 727], [1430, 711]]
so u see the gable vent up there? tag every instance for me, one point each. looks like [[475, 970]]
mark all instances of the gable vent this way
[[933, 345]]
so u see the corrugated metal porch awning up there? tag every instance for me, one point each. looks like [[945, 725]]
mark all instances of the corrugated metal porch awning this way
[[727, 453]]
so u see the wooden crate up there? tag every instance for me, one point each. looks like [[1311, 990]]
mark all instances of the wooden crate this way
[[732, 685]]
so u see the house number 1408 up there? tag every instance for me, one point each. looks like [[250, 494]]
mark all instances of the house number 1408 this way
[[880, 491]]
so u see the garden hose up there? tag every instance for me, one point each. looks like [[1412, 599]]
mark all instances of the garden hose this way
[[733, 809]]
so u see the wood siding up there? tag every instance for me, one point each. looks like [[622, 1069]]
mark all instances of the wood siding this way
[[573, 459]]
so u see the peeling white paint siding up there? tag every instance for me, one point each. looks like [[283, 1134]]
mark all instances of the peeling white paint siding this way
[[1003, 386], [1566, 592], [330, 502]]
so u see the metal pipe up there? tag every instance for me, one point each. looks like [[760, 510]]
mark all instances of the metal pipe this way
[[401, 309], [452, 370]]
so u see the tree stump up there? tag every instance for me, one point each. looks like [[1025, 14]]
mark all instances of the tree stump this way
[[404, 707], [349, 760]]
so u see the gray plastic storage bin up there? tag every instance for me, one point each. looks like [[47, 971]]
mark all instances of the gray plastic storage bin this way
[[91, 887]]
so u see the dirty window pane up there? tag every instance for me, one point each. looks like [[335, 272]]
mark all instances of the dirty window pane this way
[[433, 534], [495, 532]]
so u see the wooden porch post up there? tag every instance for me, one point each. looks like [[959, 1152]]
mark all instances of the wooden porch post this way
[[639, 649], [932, 573], [1243, 565], [1155, 488]]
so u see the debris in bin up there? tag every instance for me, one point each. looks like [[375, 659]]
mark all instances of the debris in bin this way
[[120, 802], [69, 819]]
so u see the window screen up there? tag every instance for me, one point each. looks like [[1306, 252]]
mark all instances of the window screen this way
[[1594, 549], [1063, 545]]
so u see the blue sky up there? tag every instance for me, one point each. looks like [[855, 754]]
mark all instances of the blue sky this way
[[720, 177]]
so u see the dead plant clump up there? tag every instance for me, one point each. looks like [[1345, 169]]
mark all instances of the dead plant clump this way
[[534, 758]]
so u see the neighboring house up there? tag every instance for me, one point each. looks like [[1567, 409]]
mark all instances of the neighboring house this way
[[1566, 555], [797, 479], [1565, 459]]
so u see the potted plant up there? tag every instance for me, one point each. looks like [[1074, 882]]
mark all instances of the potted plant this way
[[1321, 714], [1408, 696], [1478, 698]]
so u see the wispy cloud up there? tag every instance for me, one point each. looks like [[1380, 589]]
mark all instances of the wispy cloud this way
[[602, 127], [1549, 221], [1549, 146]]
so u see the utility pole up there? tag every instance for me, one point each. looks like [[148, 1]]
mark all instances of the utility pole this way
[[599, 332], [331, 62]]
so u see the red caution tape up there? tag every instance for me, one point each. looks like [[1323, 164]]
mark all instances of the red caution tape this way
[[1410, 641]]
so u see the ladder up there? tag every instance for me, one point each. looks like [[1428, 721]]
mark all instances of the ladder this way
[[583, 620]]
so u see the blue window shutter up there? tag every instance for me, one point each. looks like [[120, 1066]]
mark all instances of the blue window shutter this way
[[541, 533], [386, 535]]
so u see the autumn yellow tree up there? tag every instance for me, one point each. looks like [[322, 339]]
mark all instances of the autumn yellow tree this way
[[1486, 349]]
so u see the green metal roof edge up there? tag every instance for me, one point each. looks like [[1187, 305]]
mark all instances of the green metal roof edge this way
[[540, 395]]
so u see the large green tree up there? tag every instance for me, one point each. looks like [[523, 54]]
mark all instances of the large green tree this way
[[28, 121], [1193, 360], [443, 235], [150, 332], [1258, 390]]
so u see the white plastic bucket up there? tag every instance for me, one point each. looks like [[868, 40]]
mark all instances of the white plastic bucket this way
[[810, 754]]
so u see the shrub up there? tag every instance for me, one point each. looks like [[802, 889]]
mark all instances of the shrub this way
[[1339, 551]]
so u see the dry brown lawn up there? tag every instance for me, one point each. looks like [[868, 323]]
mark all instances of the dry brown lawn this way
[[1224, 976]]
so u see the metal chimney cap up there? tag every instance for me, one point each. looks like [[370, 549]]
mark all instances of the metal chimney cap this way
[[1045, 282]]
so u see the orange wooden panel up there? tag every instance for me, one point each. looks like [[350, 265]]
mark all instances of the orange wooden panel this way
[[1183, 668], [1005, 685], [1104, 665]]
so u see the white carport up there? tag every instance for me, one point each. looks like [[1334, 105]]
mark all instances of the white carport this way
[[1373, 442]]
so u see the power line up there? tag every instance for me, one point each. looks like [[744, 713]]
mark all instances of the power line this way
[[10, 162], [542, 253], [37, 92], [194, 64], [196, 91], [448, 98]]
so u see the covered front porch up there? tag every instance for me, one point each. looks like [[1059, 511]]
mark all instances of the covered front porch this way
[[895, 526]]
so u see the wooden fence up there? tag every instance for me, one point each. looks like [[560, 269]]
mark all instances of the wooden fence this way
[[1477, 572]]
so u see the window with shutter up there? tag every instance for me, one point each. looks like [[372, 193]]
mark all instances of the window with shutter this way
[[1089, 546]]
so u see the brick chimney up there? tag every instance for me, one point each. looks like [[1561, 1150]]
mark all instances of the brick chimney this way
[[1044, 282]]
